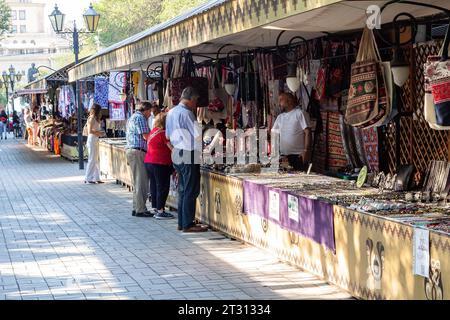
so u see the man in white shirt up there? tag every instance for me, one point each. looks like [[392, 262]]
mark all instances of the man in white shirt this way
[[293, 126], [185, 135]]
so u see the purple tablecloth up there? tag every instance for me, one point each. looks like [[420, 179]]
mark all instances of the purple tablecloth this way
[[315, 218]]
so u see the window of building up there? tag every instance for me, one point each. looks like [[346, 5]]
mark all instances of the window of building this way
[[13, 15], [13, 29], [22, 15], [33, 42], [15, 42], [24, 41], [23, 29]]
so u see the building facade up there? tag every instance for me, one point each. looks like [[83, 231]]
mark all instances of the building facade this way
[[29, 41]]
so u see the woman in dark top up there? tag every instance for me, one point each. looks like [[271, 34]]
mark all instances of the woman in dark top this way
[[3, 124], [16, 124]]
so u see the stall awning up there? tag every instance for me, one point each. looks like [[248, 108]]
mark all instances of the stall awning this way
[[214, 20], [39, 84], [244, 23], [24, 92]]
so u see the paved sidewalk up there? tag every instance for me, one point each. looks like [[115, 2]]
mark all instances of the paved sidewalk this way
[[62, 239]]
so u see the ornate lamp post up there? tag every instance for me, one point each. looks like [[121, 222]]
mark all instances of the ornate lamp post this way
[[91, 18], [10, 78]]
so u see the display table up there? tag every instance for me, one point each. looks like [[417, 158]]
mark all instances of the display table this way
[[309, 222]]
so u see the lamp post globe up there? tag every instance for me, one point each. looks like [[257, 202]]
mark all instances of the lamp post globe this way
[[57, 19], [91, 18]]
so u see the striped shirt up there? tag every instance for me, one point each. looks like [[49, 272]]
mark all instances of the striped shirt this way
[[137, 126]]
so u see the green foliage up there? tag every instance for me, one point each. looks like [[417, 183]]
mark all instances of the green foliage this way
[[3, 99], [5, 15], [63, 59], [121, 19], [173, 8]]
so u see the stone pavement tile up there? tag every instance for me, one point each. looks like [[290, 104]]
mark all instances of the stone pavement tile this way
[[60, 240]]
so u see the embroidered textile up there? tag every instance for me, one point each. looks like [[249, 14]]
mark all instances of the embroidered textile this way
[[101, 92]]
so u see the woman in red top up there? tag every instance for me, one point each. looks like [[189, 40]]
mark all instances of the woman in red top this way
[[158, 162]]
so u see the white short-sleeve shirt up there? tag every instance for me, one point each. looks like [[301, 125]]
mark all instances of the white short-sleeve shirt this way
[[291, 126]]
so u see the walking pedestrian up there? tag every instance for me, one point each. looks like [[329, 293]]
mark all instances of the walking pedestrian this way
[[3, 124], [16, 124], [158, 162], [94, 132], [28, 119], [137, 134], [184, 133]]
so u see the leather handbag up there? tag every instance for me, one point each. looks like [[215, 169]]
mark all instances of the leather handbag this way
[[437, 78], [189, 79], [217, 95], [363, 93]]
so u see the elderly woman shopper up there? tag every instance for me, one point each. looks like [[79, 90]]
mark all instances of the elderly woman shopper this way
[[158, 163], [94, 131]]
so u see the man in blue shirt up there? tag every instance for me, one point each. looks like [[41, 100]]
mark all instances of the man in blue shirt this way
[[184, 133], [137, 133]]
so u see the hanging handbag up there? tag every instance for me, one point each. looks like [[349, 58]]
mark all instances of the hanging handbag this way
[[247, 81], [384, 103], [437, 73], [189, 79], [335, 74], [217, 95], [429, 113], [363, 93]]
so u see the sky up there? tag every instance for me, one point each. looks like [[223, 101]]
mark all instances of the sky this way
[[73, 9]]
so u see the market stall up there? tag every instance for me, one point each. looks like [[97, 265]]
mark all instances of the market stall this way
[[385, 236]]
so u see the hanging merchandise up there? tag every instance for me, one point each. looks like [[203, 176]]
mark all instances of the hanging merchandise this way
[[217, 95], [336, 158], [321, 78], [247, 80], [189, 78], [335, 74], [437, 81], [371, 143], [363, 101], [101, 92], [117, 82], [116, 111], [135, 78], [66, 101], [274, 91]]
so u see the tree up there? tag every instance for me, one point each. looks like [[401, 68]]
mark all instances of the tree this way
[[5, 16], [173, 8], [121, 19]]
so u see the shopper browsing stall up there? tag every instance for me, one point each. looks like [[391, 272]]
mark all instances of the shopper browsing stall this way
[[185, 136], [293, 126], [158, 163], [137, 134], [94, 132]]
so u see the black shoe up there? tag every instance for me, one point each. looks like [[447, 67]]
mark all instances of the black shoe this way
[[146, 214], [133, 213]]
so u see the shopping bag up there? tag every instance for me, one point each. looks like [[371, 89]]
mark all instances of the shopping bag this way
[[363, 93]]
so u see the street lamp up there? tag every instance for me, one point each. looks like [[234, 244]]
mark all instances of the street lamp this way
[[10, 79], [91, 18]]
